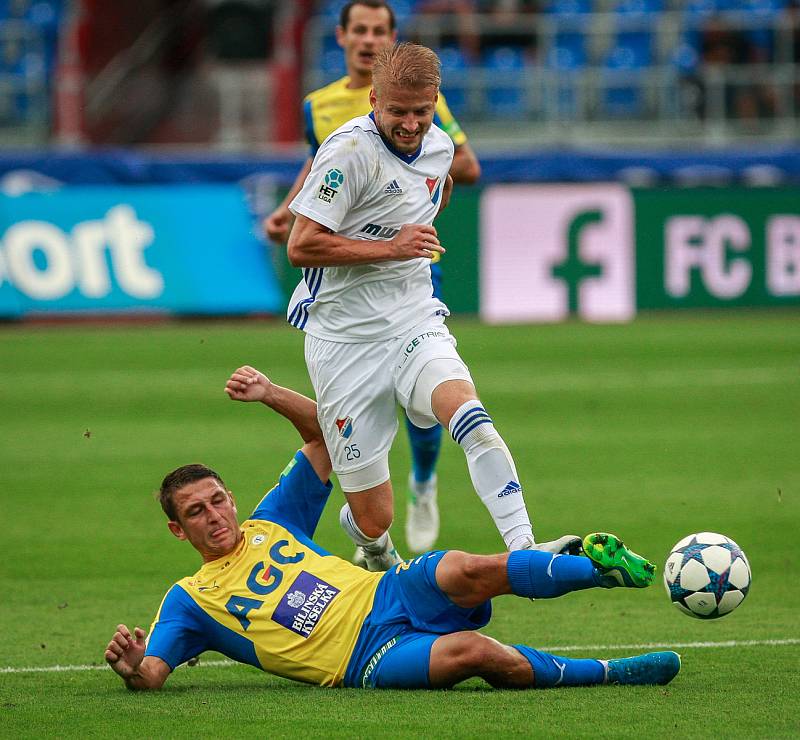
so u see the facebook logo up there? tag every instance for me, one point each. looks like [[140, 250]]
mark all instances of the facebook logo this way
[[551, 251]]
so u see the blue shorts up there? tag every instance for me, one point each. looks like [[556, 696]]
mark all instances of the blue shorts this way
[[436, 279], [408, 614]]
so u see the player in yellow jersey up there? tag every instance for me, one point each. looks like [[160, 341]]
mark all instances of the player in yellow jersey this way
[[366, 26], [267, 595]]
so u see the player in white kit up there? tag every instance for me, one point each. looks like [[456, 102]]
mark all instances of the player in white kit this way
[[375, 335]]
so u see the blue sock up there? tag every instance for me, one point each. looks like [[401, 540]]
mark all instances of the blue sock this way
[[425, 446], [540, 575], [553, 670]]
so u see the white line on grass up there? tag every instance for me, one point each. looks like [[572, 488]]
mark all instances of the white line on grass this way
[[552, 649]]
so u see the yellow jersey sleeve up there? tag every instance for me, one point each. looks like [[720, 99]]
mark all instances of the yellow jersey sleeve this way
[[445, 120]]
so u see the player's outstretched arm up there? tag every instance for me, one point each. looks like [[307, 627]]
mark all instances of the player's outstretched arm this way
[[248, 384], [279, 223], [125, 655], [313, 245]]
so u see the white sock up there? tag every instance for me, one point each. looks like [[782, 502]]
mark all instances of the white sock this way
[[373, 544], [493, 473]]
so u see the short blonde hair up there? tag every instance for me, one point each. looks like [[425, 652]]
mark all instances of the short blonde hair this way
[[406, 65]]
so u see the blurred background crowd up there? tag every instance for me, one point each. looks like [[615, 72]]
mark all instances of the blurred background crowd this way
[[230, 74]]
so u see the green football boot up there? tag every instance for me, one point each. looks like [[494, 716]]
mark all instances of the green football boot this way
[[616, 564]]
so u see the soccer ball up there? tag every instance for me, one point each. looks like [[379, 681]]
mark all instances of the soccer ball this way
[[707, 575]]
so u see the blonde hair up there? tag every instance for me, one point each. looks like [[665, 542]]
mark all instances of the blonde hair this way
[[406, 65]]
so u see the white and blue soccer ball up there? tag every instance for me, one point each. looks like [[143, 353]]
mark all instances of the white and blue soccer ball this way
[[707, 575]]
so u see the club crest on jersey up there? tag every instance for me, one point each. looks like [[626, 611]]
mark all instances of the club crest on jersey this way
[[331, 183], [345, 426], [434, 190], [393, 188], [304, 603]]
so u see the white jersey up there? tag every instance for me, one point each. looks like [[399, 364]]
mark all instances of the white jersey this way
[[361, 188]]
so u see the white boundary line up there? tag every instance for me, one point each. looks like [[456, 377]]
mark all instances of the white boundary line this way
[[551, 649]]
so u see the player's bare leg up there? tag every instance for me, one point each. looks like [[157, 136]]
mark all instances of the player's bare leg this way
[[463, 655], [494, 476], [469, 580], [366, 517]]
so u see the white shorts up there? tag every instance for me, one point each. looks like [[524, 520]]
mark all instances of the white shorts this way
[[358, 387]]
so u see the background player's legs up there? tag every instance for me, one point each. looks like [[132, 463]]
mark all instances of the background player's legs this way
[[422, 514]]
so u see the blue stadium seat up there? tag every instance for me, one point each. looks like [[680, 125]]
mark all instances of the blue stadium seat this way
[[331, 9], [568, 52], [568, 7], [454, 71], [708, 8], [506, 96], [623, 78], [565, 63], [332, 65], [763, 14], [635, 22]]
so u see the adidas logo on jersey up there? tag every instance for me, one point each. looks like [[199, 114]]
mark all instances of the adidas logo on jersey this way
[[393, 188], [511, 487]]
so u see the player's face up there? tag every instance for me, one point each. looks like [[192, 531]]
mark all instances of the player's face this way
[[404, 115], [206, 516], [368, 31]]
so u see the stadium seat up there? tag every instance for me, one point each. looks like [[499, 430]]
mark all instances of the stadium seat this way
[[331, 9], [505, 93], [568, 7], [332, 65], [623, 78], [763, 16], [454, 79], [635, 23], [565, 65]]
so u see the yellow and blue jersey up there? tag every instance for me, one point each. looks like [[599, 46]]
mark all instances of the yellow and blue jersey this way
[[330, 107], [279, 602]]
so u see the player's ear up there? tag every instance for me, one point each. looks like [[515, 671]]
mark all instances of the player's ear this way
[[176, 529], [340, 36], [372, 97]]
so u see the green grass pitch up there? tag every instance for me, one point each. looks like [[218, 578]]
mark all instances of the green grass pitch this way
[[653, 430]]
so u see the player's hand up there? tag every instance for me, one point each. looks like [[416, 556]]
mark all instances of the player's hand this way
[[278, 225], [125, 652], [414, 241], [247, 384]]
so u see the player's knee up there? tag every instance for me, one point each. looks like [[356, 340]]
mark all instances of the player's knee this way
[[476, 569], [476, 652], [468, 578], [432, 397]]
